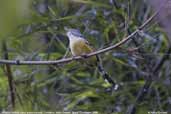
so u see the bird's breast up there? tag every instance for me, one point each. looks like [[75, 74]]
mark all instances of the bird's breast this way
[[78, 47]]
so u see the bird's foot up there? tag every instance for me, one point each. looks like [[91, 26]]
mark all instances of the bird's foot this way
[[73, 57], [84, 56]]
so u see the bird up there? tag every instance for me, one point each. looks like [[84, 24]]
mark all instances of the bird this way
[[79, 46]]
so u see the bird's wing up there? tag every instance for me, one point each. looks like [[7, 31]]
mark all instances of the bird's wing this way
[[96, 57], [89, 44]]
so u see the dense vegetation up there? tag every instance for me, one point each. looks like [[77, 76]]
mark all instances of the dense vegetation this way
[[34, 30]]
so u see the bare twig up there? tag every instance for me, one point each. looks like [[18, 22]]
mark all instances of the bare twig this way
[[9, 75], [163, 59], [148, 82], [66, 60], [141, 93]]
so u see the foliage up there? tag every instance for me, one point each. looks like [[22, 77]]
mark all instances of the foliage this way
[[75, 86]]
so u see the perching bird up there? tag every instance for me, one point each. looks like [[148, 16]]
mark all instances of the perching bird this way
[[79, 46]]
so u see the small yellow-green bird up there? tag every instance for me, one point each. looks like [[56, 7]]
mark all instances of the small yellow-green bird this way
[[79, 46]]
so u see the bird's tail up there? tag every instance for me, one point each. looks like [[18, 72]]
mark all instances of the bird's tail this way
[[105, 75]]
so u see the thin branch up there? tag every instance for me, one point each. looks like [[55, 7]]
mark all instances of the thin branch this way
[[8, 72], [148, 82], [66, 60], [163, 59], [143, 90]]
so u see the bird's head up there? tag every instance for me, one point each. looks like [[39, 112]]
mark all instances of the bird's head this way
[[74, 33]]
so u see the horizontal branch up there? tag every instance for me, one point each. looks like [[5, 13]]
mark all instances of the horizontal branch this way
[[66, 60]]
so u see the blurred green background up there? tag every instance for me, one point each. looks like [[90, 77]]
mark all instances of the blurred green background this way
[[34, 30]]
